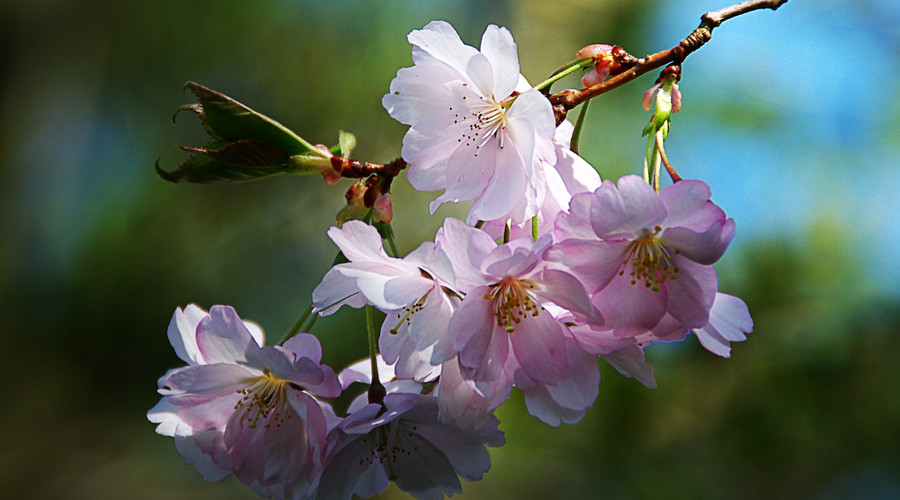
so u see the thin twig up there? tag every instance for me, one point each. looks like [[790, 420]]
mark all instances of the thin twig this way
[[708, 22]]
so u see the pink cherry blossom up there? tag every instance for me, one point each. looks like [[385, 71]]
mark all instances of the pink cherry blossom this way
[[477, 129], [650, 254], [248, 408], [502, 315], [402, 439], [414, 292]]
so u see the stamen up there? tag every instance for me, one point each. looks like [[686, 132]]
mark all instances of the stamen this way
[[411, 309], [264, 396], [651, 261], [512, 303], [489, 121]]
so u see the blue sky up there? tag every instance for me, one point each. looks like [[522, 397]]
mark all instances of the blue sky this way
[[821, 79]]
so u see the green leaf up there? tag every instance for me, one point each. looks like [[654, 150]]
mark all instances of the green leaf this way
[[225, 118], [247, 145], [220, 162]]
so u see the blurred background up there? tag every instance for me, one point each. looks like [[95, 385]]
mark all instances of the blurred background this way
[[791, 116]]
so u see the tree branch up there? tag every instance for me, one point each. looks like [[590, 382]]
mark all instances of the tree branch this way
[[568, 99]]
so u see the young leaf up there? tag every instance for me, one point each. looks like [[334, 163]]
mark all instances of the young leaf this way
[[247, 145]]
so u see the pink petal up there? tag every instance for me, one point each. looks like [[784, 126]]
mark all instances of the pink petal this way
[[626, 210], [566, 291], [358, 241], [630, 309], [539, 347], [223, 338], [507, 183], [466, 247], [498, 46], [691, 292], [415, 100], [479, 71], [704, 248], [594, 263], [439, 40], [182, 333], [630, 363], [576, 224]]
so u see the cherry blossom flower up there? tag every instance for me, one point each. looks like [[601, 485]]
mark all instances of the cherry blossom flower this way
[[650, 254], [402, 439], [477, 129], [415, 292], [249, 408], [502, 314]]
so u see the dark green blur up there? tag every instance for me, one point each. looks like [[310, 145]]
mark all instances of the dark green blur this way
[[96, 252]]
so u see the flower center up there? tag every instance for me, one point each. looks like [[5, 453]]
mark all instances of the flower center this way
[[385, 444], [411, 309], [264, 396], [486, 118], [512, 302], [651, 261]]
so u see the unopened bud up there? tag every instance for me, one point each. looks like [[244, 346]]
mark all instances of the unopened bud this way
[[602, 56]]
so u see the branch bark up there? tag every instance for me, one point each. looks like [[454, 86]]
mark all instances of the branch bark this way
[[567, 100]]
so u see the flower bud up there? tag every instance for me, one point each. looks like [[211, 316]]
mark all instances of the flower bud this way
[[602, 55]]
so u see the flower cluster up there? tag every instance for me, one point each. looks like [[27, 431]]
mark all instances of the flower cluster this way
[[552, 270]]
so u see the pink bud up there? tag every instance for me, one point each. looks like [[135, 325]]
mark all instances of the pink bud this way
[[676, 98], [647, 101], [384, 210], [594, 51]]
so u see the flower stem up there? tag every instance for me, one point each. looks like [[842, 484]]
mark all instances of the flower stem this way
[[648, 157], [296, 327], [566, 70], [390, 239], [662, 154], [534, 228], [376, 390], [579, 122]]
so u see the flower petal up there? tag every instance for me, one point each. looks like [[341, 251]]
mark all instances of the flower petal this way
[[626, 210], [539, 345], [498, 46], [223, 338], [630, 309], [704, 247], [691, 292]]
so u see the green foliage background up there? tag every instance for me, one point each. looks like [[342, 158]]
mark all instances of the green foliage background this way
[[96, 252]]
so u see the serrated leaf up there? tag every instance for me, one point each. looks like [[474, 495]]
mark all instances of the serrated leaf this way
[[247, 145], [225, 118], [221, 162]]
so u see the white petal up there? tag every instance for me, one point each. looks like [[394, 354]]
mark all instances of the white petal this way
[[498, 46]]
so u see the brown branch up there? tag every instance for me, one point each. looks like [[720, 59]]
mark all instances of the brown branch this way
[[567, 100], [356, 169]]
